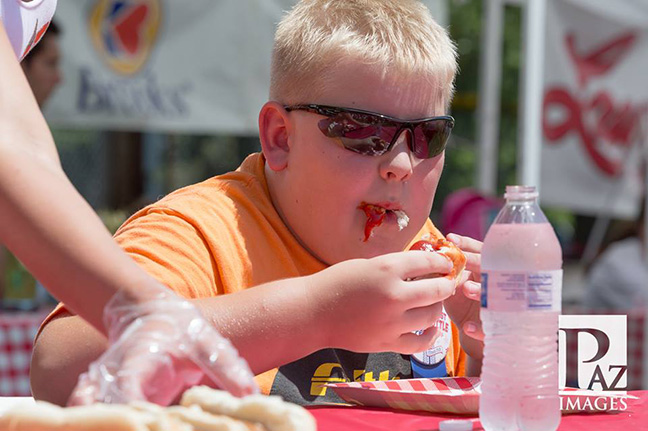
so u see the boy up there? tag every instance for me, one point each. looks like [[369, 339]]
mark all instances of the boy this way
[[334, 297]]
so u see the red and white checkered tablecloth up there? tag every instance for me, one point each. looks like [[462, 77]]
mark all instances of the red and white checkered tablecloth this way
[[17, 331]]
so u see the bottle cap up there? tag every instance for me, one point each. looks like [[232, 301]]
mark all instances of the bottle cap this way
[[456, 425], [521, 192]]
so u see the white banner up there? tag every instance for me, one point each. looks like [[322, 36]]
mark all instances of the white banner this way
[[595, 97], [199, 66]]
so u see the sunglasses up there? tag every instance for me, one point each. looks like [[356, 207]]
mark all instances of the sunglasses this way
[[374, 134]]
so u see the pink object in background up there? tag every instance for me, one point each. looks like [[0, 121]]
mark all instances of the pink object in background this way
[[468, 212]]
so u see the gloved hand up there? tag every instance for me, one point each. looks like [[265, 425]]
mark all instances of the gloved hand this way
[[158, 346]]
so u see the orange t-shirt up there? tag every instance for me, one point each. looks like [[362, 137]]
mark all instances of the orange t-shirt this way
[[224, 235]]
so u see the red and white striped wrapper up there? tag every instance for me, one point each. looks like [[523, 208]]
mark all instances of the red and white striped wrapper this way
[[457, 395]]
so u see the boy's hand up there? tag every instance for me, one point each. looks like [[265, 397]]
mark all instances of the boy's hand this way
[[463, 307], [158, 348], [369, 305]]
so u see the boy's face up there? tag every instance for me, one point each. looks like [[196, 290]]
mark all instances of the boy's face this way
[[324, 183]]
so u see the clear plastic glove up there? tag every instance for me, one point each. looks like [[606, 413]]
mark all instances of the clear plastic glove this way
[[158, 347]]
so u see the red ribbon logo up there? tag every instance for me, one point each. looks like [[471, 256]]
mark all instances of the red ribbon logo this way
[[598, 121]]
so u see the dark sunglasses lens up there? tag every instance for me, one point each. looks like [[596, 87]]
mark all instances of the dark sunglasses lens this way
[[430, 138], [360, 133], [371, 135]]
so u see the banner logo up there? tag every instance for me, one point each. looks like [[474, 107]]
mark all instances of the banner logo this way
[[593, 352], [125, 32], [606, 127]]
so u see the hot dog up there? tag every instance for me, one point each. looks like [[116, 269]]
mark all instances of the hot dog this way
[[447, 249]]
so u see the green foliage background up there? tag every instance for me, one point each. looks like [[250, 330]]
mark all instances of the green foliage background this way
[[462, 158]]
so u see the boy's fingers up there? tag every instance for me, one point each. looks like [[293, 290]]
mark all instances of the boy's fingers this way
[[474, 330], [428, 291], [410, 343], [464, 277], [472, 290], [473, 262], [465, 243], [418, 263], [422, 317]]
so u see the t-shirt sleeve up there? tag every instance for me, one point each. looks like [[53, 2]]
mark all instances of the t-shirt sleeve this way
[[169, 248], [172, 250]]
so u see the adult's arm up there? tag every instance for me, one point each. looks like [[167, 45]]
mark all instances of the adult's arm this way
[[59, 238], [43, 220]]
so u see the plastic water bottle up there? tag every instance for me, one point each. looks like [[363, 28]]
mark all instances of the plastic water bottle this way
[[521, 301]]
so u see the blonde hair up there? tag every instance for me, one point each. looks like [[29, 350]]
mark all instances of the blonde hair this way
[[396, 35]]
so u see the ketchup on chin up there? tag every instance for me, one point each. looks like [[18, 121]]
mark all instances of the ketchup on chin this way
[[375, 217]]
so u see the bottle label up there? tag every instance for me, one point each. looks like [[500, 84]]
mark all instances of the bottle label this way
[[521, 291], [431, 362]]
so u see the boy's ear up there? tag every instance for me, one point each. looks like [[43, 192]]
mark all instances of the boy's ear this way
[[274, 128]]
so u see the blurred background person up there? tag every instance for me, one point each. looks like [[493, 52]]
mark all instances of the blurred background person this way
[[42, 65], [617, 280]]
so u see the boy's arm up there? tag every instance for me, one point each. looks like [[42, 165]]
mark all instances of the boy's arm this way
[[359, 305], [63, 350], [270, 325]]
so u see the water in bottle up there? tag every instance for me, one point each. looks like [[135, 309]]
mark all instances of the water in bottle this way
[[521, 301]]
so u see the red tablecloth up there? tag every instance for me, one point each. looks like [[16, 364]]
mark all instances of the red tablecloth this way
[[17, 331], [365, 418]]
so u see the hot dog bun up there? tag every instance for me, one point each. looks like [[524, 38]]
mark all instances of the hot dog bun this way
[[447, 249], [203, 409]]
